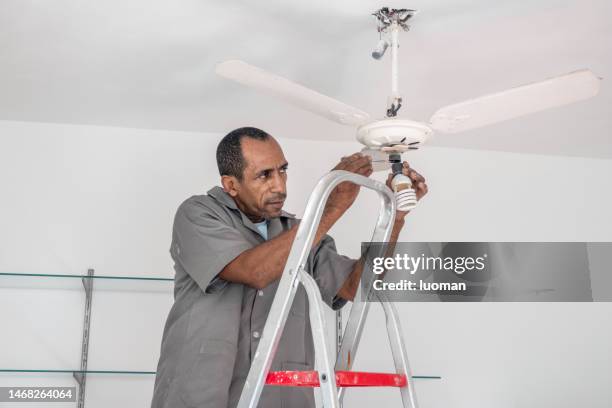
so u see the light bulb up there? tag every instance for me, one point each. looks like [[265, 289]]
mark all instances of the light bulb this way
[[405, 196]]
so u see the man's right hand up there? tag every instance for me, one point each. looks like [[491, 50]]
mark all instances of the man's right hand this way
[[345, 193]]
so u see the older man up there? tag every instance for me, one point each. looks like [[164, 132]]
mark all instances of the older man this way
[[230, 247]]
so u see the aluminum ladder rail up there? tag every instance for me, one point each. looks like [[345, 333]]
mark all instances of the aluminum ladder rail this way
[[294, 274]]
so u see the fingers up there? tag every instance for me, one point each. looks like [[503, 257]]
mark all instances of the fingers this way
[[388, 182], [356, 163], [412, 174], [418, 181], [352, 157], [346, 161], [422, 189], [343, 162], [364, 166]]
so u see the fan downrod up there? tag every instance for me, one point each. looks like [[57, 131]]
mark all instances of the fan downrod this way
[[386, 16], [390, 21]]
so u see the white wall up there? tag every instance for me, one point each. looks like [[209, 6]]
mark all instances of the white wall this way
[[74, 197]]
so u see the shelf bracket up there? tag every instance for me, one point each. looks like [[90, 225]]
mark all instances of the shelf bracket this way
[[81, 376]]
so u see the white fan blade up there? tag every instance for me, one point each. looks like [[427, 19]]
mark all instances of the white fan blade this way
[[562, 90], [291, 92]]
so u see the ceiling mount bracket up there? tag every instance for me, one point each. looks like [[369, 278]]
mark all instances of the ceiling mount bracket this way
[[387, 16]]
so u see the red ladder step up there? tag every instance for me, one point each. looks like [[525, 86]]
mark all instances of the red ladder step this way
[[343, 379]]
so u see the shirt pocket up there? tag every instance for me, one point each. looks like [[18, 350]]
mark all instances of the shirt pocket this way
[[206, 383]]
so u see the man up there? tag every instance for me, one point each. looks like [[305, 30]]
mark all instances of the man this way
[[230, 247]]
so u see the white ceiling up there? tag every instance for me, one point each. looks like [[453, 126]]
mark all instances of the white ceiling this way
[[149, 64]]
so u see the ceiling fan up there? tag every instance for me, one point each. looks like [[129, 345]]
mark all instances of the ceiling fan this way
[[386, 139]]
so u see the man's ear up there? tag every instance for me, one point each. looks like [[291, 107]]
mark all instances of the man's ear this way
[[231, 185]]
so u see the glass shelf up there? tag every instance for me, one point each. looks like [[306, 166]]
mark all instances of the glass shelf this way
[[9, 370], [12, 370], [100, 283], [75, 282]]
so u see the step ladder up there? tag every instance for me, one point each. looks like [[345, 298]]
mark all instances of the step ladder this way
[[333, 380]]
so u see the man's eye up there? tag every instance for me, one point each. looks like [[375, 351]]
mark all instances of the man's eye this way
[[265, 174], [283, 170]]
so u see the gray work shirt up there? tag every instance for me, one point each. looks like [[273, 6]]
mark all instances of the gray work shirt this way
[[214, 326]]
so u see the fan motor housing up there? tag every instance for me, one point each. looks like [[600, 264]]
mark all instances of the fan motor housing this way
[[393, 132]]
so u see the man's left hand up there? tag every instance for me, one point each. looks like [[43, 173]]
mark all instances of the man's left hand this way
[[418, 184]]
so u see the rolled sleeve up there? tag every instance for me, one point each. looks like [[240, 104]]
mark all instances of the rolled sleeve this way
[[203, 244], [330, 270]]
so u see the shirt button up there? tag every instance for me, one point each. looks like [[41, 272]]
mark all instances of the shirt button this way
[[260, 293], [256, 334]]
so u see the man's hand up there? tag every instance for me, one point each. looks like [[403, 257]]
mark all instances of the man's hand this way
[[345, 193], [418, 184]]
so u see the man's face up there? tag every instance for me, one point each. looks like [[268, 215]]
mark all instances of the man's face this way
[[262, 191]]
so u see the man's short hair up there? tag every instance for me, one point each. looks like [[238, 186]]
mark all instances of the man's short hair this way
[[230, 160]]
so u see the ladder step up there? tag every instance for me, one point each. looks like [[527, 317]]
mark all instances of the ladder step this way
[[343, 379]]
